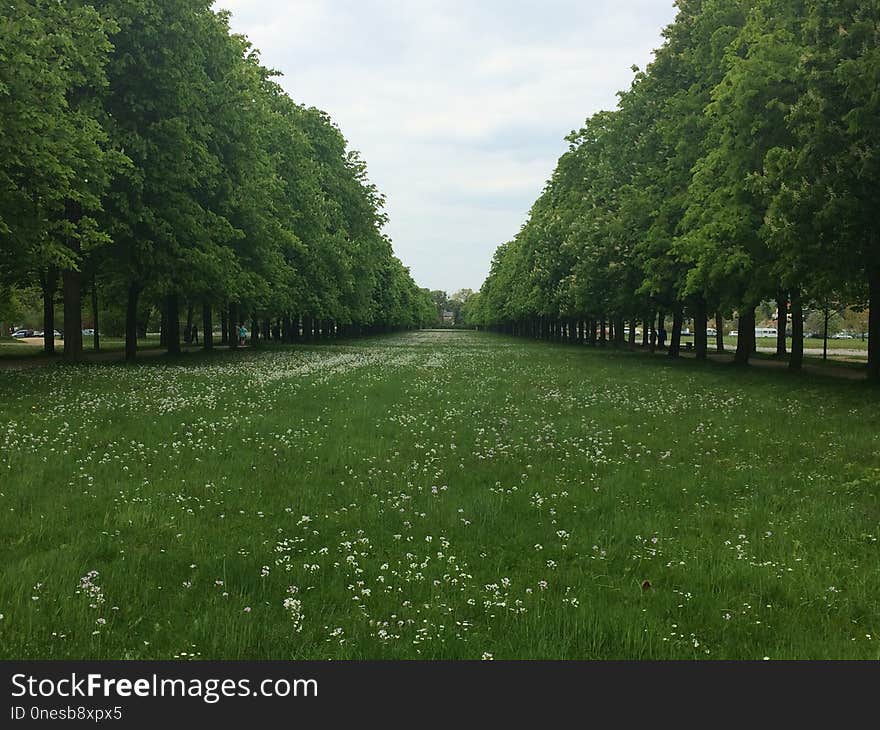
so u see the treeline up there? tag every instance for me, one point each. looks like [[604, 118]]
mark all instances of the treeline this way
[[742, 166], [147, 155]]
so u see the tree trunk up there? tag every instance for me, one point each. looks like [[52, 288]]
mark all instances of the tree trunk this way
[[745, 342], [131, 323], [72, 285], [224, 326], [96, 337], [255, 332], [796, 362], [207, 327], [781, 324], [719, 332], [701, 324], [163, 327], [73, 339], [49, 280], [825, 335], [619, 333], [675, 342], [874, 323], [172, 324], [187, 333]]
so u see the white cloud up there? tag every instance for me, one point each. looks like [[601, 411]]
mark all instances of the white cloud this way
[[459, 108]]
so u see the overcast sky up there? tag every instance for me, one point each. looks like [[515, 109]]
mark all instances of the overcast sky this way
[[460, 109]]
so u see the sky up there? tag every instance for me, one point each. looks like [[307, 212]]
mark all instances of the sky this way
[[460, 109]]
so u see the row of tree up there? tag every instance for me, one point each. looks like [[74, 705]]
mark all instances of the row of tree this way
[[742, 166], [146, 154]]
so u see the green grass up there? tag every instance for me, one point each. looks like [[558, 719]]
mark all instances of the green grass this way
[[810, 344], [11, 348], [437, 495]]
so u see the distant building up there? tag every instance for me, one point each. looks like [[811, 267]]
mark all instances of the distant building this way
[[447, 317]]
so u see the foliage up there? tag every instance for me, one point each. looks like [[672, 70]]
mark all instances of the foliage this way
[[145, 145], [740, 167]]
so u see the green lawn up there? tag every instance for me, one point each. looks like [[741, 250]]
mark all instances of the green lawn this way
[[12, 348], [442, 494], [809, 343], [814, 344]]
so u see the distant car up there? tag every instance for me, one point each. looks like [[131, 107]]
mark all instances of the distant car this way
[[842, 336], [711, 332], [88, 332], [733, 333], [20, 334]]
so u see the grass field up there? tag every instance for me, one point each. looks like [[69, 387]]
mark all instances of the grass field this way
[[437, 495], [809, 344], [12, 348]]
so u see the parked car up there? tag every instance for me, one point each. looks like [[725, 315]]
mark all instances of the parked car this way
[[733, 333], [88, 332], [842, 336], [711, 332], [19, 334]]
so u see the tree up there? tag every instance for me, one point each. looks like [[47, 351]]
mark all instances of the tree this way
[[55, 161], [737, 170]]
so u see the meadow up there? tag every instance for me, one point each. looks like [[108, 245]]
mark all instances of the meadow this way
[[437, 495]]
